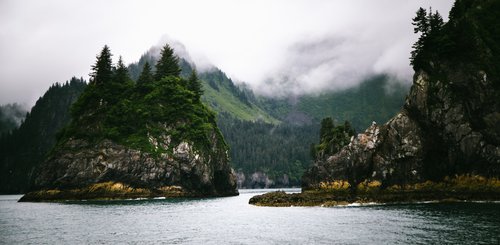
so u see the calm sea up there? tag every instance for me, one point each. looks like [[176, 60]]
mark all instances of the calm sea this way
[[232, 220]]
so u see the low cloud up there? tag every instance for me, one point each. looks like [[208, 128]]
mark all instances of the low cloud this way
[[335, 63], [12, 113], [377, 40], [277, 47]]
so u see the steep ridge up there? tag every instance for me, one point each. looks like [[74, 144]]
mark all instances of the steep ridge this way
[[220, 92], [22, 150]]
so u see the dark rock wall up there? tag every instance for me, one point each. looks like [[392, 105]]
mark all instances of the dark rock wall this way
[[447, 126], [78, 164]]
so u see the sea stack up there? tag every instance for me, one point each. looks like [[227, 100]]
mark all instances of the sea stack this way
[[150, 138]]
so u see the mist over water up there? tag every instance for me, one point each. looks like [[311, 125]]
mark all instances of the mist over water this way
[[232, 220]]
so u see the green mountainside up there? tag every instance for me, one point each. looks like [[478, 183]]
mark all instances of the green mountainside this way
[[224, 97], [220, 92], [22, 150], [375, 99], [268, 155]]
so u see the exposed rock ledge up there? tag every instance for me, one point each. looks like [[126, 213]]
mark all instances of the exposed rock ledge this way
[[438, 133], [80, 170], [458, 188]]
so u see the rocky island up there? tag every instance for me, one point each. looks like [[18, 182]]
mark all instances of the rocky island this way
[[443, 144], [152, 138]]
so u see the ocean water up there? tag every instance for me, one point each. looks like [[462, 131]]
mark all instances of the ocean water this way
[[231, 220]]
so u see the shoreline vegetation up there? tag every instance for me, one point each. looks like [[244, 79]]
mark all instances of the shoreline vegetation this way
[[340, 192], [108, 191]]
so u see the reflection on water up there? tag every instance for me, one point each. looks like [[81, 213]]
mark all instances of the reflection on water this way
[[231, 220]]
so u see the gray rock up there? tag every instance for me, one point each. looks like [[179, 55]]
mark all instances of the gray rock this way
[[78, 164], [446, 127]]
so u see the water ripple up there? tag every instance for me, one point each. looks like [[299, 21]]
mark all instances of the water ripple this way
[[231, 220]]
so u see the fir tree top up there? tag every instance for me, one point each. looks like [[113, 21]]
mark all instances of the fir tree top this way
[[194, 85], [121, 74], [168, 65], [102, 71], [146, 75]]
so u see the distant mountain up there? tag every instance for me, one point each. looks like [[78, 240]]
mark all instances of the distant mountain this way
[[23, 149], [375, 99], [11, 116], [220, 92], [268, 155], [276, 155]]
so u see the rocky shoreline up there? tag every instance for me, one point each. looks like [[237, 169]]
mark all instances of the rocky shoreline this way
[[112, 191], [459, 188]]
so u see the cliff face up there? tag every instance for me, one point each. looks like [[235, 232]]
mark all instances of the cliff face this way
[[78, 164], [449, 124], [435, 135]]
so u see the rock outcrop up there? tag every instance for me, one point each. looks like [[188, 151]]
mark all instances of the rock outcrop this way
[[192, 172], [449, 125], [78, 164], [153, 138], [451, 130]]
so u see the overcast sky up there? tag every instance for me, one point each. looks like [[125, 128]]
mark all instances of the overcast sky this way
[[275, 46]]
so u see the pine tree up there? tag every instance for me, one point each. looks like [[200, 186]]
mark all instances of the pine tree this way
[[326, 130], [421, 22], [427, 24], [168, 65], [121, 74], [435, 22], [349, 129], [194, 85], [146, 75], [102, 71]]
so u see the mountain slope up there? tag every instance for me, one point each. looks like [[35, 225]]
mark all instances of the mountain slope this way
[[220, 92], [268, 155], [24, 148], [375, 99]]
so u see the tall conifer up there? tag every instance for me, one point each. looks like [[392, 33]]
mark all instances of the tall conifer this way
[[102, 70], [121, 74], [146, 75], [168, 65], [194, 84]]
